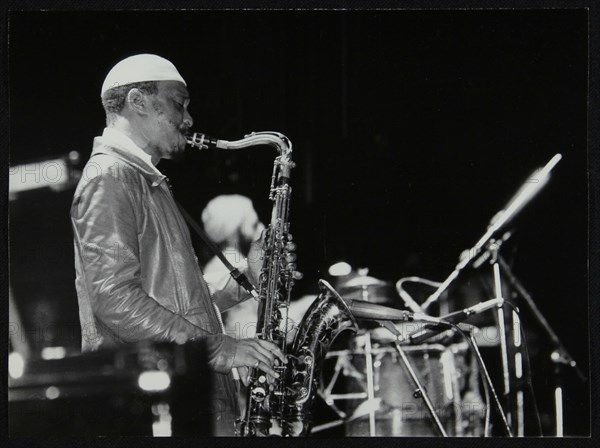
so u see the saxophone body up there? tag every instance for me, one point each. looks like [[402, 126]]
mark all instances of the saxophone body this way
[[282, 407]]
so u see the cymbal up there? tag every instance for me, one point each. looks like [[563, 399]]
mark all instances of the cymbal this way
[[371, 289], [369, 294], [362, 281]]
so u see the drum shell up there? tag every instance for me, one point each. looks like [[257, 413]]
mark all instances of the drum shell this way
[[446, 373]]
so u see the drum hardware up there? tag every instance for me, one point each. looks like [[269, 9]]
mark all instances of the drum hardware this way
[[489, 386], [394, 401], [468, 332], [367, 288], [453, 320], [363, 281], [406, 332], [420, 391]]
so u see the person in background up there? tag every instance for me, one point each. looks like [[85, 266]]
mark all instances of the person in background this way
[[233, 224]]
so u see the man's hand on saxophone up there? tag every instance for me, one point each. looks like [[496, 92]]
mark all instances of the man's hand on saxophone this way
[[258, 354]]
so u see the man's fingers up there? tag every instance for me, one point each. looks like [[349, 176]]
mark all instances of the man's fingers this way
[[272, 348], [244, 374], [249, 356], [268, 370], [258, 356], [264, 351]]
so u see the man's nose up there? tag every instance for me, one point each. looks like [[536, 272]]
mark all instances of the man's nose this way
[[188, 121]]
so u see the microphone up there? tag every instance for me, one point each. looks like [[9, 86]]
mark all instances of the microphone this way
[[459, 316], [455, 317], [371, 311], [427, 333]]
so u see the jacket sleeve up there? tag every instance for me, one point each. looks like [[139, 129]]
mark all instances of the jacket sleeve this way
[[106, 232]]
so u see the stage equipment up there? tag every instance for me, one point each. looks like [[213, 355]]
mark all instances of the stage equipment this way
[[283, 407], [487, 249], [428, 330], [559, 356], [339, 269], [408, 300], [528, 190], [378, 390], [140, 389], [369, 289], [58, 174]]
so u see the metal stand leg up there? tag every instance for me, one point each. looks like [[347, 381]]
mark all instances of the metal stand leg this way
[[421, 392], [518, 404], [486, 374], [502, 332], [370, 385], [558, 398]]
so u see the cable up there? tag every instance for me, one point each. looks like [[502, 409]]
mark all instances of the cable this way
[[408, 300]]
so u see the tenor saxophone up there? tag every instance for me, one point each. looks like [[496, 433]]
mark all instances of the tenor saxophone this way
[[283, 407]]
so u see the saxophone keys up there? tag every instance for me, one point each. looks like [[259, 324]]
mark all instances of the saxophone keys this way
[[291, 267], [259, 394]]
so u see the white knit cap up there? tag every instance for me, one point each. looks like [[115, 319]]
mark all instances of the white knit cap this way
[[140, 68], [225, 214]]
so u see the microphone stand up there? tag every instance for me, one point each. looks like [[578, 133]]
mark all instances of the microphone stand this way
[[486, 243], [559, 356], [468, 332], [420, 391], [562, 354], [515, 350], [528, 190]]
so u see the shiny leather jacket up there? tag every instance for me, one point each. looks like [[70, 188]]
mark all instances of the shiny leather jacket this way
[[137, 275]]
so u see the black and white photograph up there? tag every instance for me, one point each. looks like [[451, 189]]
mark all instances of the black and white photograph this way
[[331, 223]]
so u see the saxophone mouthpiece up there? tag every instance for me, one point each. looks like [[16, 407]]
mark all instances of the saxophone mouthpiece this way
[[203, 141]]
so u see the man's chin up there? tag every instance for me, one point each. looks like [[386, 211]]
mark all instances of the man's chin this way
[[178, 155]]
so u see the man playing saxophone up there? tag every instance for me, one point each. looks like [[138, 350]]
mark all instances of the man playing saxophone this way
[[137, 275]]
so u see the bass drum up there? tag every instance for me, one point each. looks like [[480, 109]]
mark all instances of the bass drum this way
[[384, 402]]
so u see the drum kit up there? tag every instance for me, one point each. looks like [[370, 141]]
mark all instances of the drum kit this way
[[366, 385], [425, 375]]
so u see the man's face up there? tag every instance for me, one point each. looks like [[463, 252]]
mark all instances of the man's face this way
[[168, 120]]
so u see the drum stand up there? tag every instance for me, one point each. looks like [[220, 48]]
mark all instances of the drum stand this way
[[370, 383], [420, 391]]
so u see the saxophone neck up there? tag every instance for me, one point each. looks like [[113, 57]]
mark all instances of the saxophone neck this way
[[274, 139]]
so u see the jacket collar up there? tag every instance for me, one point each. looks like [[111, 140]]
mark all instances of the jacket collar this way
[[119, 148]]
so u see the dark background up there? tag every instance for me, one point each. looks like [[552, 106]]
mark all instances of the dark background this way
[[410, 129]]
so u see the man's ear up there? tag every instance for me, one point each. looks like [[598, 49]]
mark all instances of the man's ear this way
[[137, 101]]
